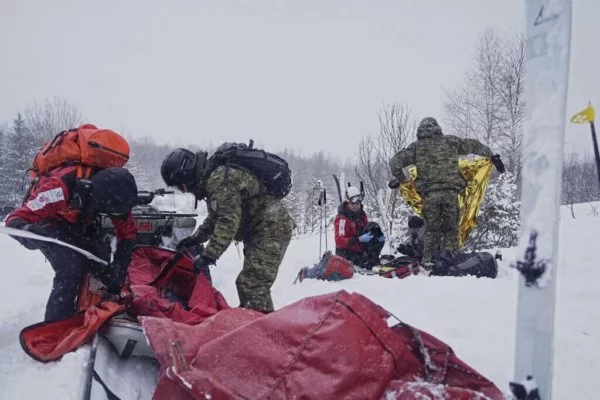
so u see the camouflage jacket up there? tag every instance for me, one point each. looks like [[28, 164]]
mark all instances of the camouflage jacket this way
[[235, 206], [435, 156]]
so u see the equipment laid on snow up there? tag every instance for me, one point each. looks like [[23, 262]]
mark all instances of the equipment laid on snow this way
[[548, 42], [86, 146], [335, 268], [330, 268], [479, 264], [272, 170], [400, 267]]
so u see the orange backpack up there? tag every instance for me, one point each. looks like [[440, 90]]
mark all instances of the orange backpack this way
[[86, 147]]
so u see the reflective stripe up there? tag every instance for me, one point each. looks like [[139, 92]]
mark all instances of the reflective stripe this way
[[342, 228], [44, 198]]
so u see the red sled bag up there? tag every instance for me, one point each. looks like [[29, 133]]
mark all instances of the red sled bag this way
[[160, 284], [328, 347], [163, 284]]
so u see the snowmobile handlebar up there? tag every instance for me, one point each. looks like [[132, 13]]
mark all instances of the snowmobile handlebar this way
[[146, 196]]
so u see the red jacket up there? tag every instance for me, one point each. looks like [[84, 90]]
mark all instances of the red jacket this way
[[49, 200], [347, 227]]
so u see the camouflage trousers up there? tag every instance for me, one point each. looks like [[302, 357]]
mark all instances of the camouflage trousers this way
[[441, 215], [264, 248]]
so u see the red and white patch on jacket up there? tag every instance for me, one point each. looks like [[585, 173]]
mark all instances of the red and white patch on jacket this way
[[44, 198]]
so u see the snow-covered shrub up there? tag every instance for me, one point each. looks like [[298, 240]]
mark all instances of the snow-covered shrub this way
[[498, 222]]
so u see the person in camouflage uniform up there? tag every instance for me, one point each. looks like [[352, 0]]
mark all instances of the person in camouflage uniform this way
[[438, 182], [237, 210]]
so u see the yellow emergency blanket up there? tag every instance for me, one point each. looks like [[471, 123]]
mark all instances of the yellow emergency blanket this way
[[477, 174]]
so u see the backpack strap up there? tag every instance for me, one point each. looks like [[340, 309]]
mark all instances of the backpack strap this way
[[55, 141], [83, 172], [167, 268]]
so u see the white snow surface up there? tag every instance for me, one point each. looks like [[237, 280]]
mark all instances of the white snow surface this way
[[476, 317]]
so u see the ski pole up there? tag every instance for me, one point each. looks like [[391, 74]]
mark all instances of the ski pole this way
[[325, 215], [320, 224]]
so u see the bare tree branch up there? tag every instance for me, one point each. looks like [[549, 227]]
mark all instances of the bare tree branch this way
[[490, 104], [397, 128], [46, 119]]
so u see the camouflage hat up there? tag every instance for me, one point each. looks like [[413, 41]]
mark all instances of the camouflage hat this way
[[429, 124]]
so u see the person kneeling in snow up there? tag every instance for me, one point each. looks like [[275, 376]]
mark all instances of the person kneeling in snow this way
[[414, 247], [66, 208], [352, 240]]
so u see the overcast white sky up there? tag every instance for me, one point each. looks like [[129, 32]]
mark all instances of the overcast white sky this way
[[308, 75]]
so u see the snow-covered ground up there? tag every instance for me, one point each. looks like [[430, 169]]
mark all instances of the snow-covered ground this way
[[475, 316]]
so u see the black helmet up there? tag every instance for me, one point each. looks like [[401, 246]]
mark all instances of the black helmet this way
[[114, 191], [179, 168]]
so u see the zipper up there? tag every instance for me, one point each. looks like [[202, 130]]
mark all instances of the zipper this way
[[97, 145]]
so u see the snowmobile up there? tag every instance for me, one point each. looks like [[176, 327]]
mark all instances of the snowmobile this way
[[156, 227]]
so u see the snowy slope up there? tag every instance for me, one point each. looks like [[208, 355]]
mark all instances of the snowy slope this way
[[475, 316]]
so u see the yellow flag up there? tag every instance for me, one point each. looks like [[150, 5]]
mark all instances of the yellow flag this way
[[584, 116]]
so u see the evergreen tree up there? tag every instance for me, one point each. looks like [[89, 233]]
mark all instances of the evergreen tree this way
[[20, 151], [293, 203], [312, 210], [498, 222]]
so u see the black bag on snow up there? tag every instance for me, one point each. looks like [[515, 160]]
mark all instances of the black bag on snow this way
[[374, 247], [479, 264], [272, 170]]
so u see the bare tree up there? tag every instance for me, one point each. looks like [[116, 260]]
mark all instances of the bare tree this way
[[490, 104], [46, 119], [397, 128]]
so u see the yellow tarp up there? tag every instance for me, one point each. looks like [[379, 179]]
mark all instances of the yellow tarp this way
[[477, 173]]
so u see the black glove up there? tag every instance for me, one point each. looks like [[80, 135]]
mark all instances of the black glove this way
[[116, 280], [498, 163], [187, 242], [118, 268], [201, 265], [394, 184]]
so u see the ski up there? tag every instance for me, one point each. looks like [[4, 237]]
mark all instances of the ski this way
[[338, 187], [547, 38], [31, 235]]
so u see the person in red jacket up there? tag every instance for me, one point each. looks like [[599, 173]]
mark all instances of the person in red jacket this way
[[66, 208], [351, 240]]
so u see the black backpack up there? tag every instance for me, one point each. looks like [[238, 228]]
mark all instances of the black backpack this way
[[272, 170], [479, 264]]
